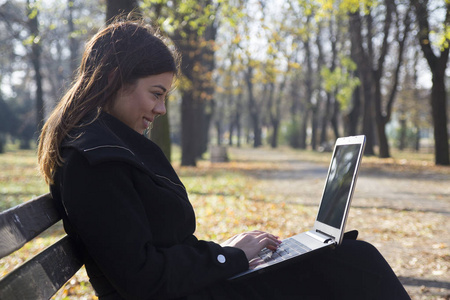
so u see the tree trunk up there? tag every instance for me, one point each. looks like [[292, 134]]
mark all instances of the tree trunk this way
[[73, 43], [253, 108], [274, 113], [275, 127], [314, 125], [368, 114], [380, 122], [231, 119], [309, 82], [381, 117], [335, 118], [315, 117], [207, 61], [294, 137], [439, 113], [36, 51], [352, 117], [238, 120], [188, 129], [303, 128], [234, 119], [382, 139], [417, 139], [332, 104], [325, 120], [438, 66], [402, 134], [205, 115], [160, 133], [365, 75], [219, 132], [118, 7], [231, 134], [383, 114], [197, 65]]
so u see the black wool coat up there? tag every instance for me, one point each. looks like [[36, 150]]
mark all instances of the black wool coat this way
[[129, 213]]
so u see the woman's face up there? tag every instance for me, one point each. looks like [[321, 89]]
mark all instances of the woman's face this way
[[138, 105]]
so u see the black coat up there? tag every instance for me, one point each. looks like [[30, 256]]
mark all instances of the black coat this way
[[124, 205]]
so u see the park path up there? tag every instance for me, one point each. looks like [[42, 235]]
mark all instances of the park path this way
[[405, 214]]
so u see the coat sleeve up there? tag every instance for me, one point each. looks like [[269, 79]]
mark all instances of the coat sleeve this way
[[106, 212]]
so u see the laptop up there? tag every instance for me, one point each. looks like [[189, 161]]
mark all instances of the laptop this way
[[328, 229]]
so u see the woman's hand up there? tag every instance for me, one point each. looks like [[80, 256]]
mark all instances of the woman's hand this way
[[252, 242]]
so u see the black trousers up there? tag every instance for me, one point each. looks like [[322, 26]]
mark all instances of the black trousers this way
[[354, 270]]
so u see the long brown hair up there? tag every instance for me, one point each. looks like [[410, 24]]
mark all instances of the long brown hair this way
[[117, 55]]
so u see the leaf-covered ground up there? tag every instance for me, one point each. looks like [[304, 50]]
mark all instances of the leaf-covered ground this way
[[401, 205]]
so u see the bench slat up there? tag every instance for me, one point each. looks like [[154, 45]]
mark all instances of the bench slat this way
[[22, 223], [42, 276]]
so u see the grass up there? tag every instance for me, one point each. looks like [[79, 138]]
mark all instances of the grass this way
[[223, 196], [19, 178]]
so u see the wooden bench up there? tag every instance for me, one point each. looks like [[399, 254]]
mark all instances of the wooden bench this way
[[43, 275]]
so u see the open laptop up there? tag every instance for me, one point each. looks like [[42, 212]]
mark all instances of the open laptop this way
[[328, 229]]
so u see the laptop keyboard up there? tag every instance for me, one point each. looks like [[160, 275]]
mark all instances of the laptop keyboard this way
[[289, 248]]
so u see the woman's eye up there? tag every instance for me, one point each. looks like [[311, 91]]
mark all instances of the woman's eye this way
[[158, 95]]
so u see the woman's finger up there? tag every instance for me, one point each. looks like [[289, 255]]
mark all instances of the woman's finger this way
[[255, 262]]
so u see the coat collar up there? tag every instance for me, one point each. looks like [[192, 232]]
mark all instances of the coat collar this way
[[105, 139], [108, 139]]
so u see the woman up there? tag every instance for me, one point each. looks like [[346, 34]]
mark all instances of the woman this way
[[124, 205]]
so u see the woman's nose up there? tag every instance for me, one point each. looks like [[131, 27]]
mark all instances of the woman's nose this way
[[160, 108]]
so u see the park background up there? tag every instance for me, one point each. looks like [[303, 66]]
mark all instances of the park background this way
[[276, 82]]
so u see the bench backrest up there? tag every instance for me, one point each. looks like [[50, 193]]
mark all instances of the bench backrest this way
[[43, 275]]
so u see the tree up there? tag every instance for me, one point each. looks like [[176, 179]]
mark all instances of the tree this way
[[250, 63], [7, 121], [160, 133], [308, 106], [119, 7], [280, 67], [192, 26], [372, 63], [342, 86], [331, 107], [73, 42], [197, 49], [383, 115], [228, 73], [365, 61], [438, 66], [304, 79], [410, 108], [18, 109], [36, 50]]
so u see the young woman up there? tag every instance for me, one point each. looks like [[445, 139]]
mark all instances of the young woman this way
[[127, 210]]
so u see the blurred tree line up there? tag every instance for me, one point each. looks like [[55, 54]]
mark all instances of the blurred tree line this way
[[254, 71]]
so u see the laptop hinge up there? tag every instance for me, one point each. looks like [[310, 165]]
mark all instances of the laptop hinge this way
[[321, 236]]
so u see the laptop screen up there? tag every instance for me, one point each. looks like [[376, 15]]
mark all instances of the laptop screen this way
[[339, 182]]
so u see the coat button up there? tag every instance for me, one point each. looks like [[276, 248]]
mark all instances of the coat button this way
[[221, 258]]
